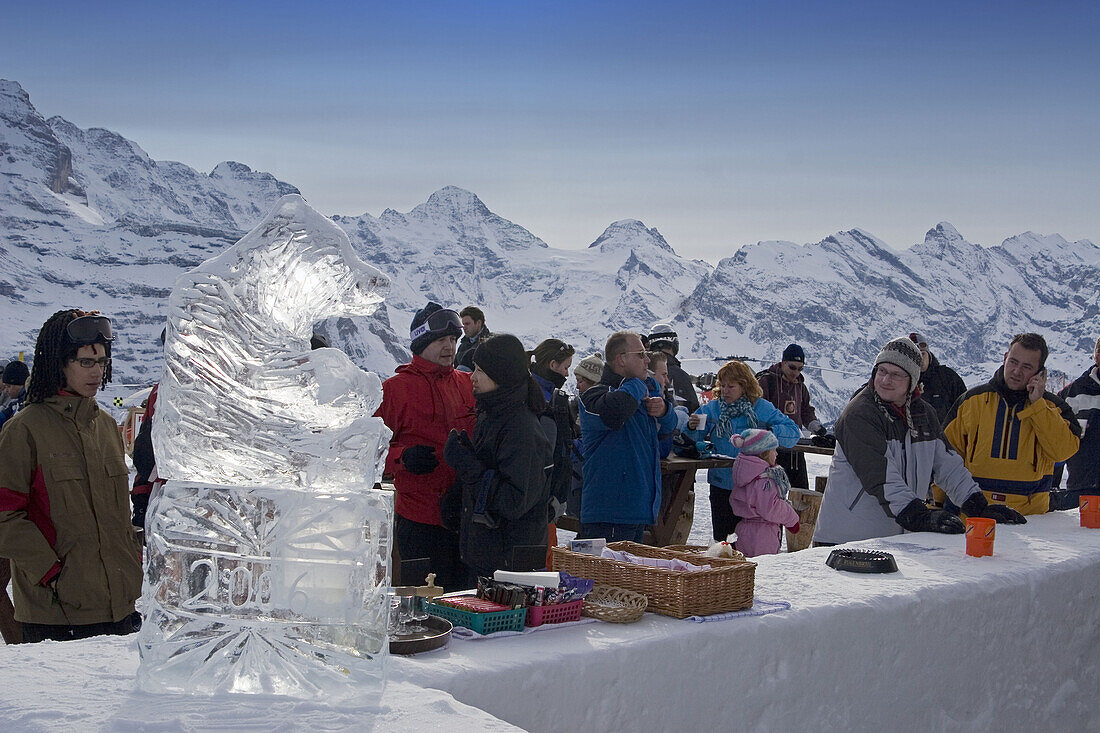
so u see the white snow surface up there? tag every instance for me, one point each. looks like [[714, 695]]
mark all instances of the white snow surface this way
[[949, 643]]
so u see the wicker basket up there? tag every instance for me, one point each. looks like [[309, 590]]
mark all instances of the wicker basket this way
[[702, 550], [615, 605], [727, 586]]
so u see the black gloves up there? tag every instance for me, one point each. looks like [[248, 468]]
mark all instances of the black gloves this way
[[977, 506], [141, 504], [824, 440], [450, 507], [419, 459], [460, 455], [917, 517]]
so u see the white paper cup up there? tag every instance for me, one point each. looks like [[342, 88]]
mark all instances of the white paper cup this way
[[702, 421]]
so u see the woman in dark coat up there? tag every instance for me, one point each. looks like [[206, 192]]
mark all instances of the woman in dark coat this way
[[501, 474], [550, 366]]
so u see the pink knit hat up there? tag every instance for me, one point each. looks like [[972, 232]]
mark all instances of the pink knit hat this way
[[754, 441]]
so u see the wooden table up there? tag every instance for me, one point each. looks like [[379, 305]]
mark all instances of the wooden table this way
[[677, 491], [800, 448]]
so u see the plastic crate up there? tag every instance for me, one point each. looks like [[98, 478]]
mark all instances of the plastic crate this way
[[482, 623], [557, 614]]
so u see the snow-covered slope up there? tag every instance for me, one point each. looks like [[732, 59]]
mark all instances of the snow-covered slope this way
[[845, 296], [453, 249], [88, 219]]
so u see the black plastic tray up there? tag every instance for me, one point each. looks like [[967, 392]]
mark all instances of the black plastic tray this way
[[862, 561]]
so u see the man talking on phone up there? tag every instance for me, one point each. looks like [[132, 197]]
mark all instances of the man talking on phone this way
[[1011, 430]]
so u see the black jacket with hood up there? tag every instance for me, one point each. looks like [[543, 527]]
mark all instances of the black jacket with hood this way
[[515, 451]]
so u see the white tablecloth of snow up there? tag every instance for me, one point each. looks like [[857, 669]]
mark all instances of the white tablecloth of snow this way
[[758, 608], [947, 643]]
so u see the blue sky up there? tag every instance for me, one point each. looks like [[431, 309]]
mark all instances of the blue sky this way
[[717, 123]]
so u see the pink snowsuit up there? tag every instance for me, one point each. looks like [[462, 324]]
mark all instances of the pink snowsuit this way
[[755, 498]]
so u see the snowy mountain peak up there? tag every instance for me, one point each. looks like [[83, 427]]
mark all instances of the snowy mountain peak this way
[[944, 231], [230, 169], [463, 213], [452, 201], [13, 99], [31, 151], [628, 234], [944, 241]]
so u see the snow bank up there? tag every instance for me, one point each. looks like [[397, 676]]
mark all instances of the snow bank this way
[[950, 642]]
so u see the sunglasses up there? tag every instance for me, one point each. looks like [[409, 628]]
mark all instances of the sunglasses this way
[[89, 330], [441, 323], [563, 352], [103, 362]]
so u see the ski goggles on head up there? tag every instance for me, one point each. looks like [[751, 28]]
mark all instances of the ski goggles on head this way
[[439, 324], [89, 330]]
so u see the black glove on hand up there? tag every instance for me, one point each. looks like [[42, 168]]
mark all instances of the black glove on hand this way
[[141, 505], [977, 506], [461, 456], [419, 459], [824, 440], [450, 507], [917, 517]]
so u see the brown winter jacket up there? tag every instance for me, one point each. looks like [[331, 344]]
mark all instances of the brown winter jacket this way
[[64, 502]]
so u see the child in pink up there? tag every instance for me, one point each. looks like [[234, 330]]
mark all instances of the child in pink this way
[[759, 486]]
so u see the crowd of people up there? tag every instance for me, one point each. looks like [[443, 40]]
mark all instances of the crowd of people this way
[[489, 449]]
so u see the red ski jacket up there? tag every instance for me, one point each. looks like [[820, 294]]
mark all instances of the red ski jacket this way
[[420, 404]]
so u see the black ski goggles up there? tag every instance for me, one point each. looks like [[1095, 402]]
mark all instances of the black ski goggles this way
[[439, 324], [89, 330]]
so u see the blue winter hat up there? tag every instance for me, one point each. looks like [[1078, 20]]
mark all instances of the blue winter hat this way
[[755, 441]]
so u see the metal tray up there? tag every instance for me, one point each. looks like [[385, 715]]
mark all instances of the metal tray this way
[[437, 632]]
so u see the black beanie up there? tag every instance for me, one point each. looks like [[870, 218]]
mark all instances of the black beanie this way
[[422, 341], [503, 358], [794, 352], [16, 372]]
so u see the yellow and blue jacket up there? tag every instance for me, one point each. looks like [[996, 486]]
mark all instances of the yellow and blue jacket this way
[[1011, 446]]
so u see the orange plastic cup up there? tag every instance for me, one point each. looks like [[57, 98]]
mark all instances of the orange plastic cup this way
[[1090, 512], [979, 536]]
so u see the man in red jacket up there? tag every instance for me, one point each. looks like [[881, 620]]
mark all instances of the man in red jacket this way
[[421, 403]]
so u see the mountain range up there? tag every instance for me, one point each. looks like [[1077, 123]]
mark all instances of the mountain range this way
[[88, 219]]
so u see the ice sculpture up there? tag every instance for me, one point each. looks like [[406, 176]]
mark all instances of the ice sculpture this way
[[267, 550]]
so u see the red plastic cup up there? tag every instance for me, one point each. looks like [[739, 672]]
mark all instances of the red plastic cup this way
[[1090, 512], [979, 536]]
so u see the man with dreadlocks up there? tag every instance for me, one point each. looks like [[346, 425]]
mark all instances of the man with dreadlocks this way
[[64, 508], [890, 447]]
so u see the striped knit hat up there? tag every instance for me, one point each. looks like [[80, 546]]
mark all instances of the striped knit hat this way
[[590, 367], [902, 352], [755, 441]]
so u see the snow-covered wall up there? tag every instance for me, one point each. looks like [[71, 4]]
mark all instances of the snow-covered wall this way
[[949, 643]]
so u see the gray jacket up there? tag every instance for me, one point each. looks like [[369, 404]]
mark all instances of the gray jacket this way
[[879, 468]]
